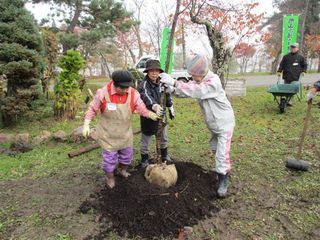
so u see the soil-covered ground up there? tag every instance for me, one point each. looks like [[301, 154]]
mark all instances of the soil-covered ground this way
[[138, 208]]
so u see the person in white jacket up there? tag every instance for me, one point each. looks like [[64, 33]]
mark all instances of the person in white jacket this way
[[217, 111], [313, 91]]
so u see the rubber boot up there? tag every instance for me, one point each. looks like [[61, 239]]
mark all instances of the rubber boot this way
[[223, 185], [144, 160], [164, 155]]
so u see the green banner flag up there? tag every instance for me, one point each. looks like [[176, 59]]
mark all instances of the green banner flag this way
[[289, 32], [164, 46]]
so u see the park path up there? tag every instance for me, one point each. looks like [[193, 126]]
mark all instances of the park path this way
[[267, 80]]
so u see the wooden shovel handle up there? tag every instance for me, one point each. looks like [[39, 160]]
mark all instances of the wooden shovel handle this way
[[304, 131], [83, 150]]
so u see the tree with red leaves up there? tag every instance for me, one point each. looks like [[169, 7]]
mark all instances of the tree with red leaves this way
[[225, 24], [244, 52], [312, 47]]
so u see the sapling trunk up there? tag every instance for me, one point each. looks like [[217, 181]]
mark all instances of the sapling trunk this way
[[160, 126]]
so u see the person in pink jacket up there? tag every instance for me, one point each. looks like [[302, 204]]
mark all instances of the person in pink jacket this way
[[217, 111], [116, 102]]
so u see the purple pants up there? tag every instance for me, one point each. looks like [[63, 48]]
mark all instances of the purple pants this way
[[111, 158]]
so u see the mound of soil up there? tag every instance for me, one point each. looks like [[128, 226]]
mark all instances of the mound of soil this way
[[138, 208]]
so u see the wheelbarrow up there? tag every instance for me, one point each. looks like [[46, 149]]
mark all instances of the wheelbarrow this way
[[283, 93]]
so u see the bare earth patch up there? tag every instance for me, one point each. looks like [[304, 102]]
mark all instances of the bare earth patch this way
[[80, 206]]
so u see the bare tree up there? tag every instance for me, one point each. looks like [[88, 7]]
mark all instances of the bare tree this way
[[159, 18], [221, 55], [163, 94], [136, 28], [224, 24]]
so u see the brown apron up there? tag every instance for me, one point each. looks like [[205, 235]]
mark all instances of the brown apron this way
[[114, 129]]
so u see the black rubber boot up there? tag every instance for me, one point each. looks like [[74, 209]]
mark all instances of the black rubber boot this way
[[223, 185], [164, 155], [144, 160]]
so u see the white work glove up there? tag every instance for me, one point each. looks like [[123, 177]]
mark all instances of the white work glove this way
[[158, 109], [153, 116], [171, 112], [310, 96], [167, 79], [86, 128], [169, 89]]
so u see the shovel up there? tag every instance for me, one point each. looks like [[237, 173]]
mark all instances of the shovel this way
[[297, 163]]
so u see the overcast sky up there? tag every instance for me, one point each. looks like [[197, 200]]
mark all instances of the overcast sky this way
[[42, 10]]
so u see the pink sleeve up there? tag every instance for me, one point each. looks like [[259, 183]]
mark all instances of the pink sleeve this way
[[139, 106], [201, 90], [94, 106]]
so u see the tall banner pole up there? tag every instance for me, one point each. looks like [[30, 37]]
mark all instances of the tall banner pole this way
[[289, 32], [164, 46], [289, 36]]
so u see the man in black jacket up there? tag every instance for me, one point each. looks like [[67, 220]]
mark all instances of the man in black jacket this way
[[292, 66], [150, 92]]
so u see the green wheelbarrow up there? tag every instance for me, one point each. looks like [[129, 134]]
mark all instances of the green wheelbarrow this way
[[283, 93]]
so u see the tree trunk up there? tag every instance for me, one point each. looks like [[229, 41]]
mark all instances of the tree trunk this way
[[152, 43], [73, 23], [303, 24], [1, 120], [10, 88], [1, 87], [90, 71], [103, 70], [254, 64], [1, 97], [221, 55], [242, 65], [275, 63], [159, 39], [310, 64], [260, 65], [173, 28], [133, 57], [163, 94], [104, 60], [137, 31], [184, 54], [246, 60], [75, 17]]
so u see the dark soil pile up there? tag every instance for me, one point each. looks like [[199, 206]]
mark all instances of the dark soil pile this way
[[137, 208]]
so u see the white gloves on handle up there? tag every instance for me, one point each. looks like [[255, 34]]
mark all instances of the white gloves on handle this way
[[169, 88], [153, 116], [86, 128], [171, 112], [157, 109], [167, 79]]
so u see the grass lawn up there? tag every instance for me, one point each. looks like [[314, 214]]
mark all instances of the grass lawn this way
[[41, 190]]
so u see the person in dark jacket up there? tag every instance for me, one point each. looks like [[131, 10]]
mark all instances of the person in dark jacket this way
[[150, 92], [292, 66]]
